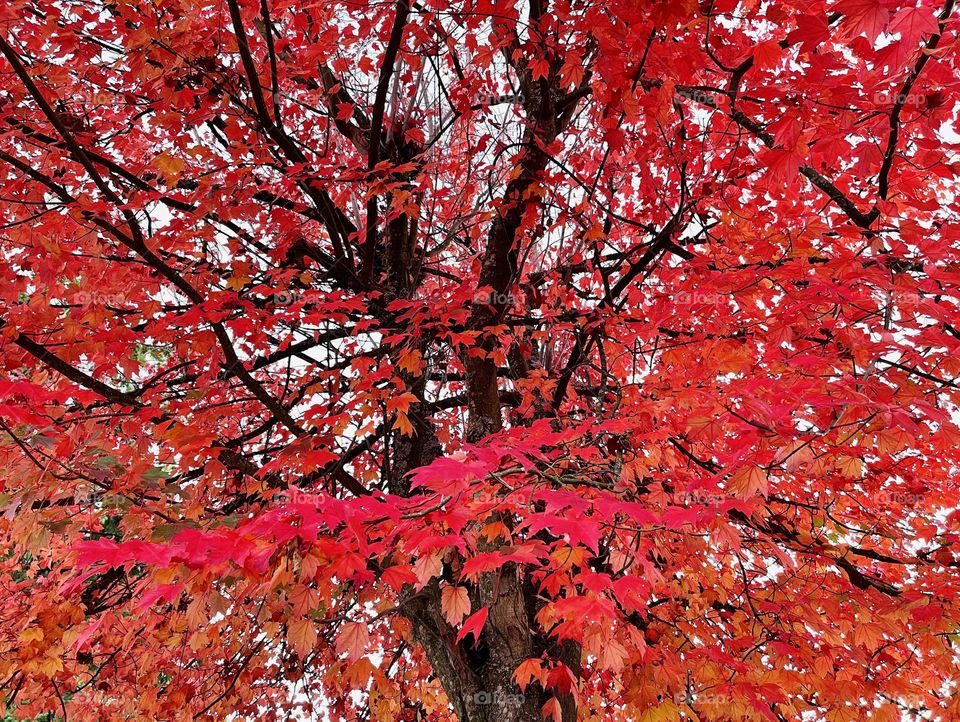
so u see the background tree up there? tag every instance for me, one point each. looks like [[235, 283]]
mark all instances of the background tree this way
[[489, 361]]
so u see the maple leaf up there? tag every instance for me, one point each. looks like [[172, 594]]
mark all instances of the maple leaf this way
[[170, 166], [850, 466], [426, 568], [398, 575], [302, 636], [783, 165], [749, 481], [402, 422], [912, 24], [552, 710], [304, 599], [529, 670], [30, 634], [401, 402], [612, 656], [352, 640], [572, 72], [562, 679], [412, 363], [811, 30], [455, 603], [358, 673], [577, 531], [869, 17], [767, 54], [540, 67], [473, 625], [50, 666]]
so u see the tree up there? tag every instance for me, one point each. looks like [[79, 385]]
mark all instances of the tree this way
[[479, 361]]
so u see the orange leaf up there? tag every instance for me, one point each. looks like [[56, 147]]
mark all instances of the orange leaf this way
[[353, 640], [426, 568], [413, 363], [612, 656], [552, 710], [302, 636], [455, 603], [529, 670], [749, 481], [403, 424]]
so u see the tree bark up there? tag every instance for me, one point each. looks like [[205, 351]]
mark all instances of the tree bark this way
[[477, 675]]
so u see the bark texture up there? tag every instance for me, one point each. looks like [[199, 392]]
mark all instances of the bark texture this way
[[477, 675]]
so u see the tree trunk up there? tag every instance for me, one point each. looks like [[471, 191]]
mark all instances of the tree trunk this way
[[477, 675]]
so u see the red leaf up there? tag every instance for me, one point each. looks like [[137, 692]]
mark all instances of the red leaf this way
[[473, 625], [913, 24], [869, 17]]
